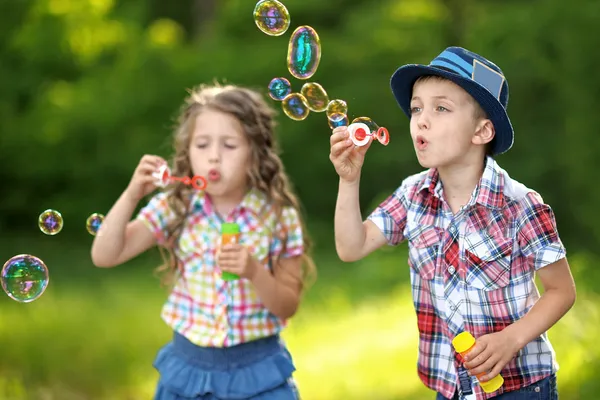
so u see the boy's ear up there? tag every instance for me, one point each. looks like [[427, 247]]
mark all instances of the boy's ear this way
[[484, 132]]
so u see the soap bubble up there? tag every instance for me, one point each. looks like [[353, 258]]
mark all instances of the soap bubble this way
[[316, 97], [24, 278], [295, 106], [368, 122], [271, 17], [50, 222], [304, 52], [93, 222], [336, 107], [337, 119], [279, 88]]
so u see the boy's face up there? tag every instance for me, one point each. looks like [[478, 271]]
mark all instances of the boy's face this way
[[443, 125], [220, 152]]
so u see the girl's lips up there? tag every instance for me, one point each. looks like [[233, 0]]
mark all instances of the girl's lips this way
[[214, 175]]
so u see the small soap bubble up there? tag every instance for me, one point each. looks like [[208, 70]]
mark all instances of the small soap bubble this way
[[304, 52], [316, 96], [337, 119], [271, 17], [295, 106], [279, 88], [24, 278], [368, 122], [336, 107], [50, 222], [92, 224]]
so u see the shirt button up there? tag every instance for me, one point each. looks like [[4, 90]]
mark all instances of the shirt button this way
[[537, 389], [451, 270], [453, 307]]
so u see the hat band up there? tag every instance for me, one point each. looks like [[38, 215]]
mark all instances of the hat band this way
[[478, 71]]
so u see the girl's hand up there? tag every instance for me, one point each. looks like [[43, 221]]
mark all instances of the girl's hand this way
[[236, 259], [142, 181]]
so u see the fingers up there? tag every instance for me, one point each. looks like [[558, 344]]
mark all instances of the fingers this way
[[157, 161], [479, 347], [338, 148], [338, 134], [495, 371], [485, 364]]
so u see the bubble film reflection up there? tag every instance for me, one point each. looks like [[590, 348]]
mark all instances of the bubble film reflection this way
[[271, 17], [24, 278], [50, 222]]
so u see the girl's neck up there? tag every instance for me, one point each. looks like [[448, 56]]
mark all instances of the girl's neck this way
[[224, 204]]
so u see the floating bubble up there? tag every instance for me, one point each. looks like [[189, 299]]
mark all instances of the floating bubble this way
[[279, 88], [337, 119], [368, 122], [295, 106], [24, 278], [304, 52], [50, 222], [271, 17], [92, 224], [316, 97], [336, 107]]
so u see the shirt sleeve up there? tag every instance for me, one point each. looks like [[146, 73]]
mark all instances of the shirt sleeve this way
[[537, 233], [157, 215], [289, 228], [390, 215]]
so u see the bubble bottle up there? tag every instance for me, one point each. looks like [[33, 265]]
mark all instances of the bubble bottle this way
[[230, 233], [463, 343]]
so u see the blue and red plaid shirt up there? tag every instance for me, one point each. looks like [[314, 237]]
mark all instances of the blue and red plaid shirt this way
[[474, 270]]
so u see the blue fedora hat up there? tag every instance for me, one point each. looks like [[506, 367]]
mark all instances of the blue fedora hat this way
[[480, 77]]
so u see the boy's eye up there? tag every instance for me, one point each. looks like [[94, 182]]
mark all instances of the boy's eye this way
[[441, 108], [415, 109]]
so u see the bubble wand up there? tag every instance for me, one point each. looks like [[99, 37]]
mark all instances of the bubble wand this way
[[162, 178]]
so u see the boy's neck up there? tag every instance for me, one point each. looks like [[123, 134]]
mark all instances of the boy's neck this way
[[459, 182]]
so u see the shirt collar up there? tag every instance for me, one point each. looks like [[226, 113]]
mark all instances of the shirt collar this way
[[487, 193], [254, 201]]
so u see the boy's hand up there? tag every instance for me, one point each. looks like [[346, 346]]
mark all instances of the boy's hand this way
[[490, 354], [345, 156]]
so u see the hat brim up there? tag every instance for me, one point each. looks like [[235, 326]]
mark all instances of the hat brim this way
[[402, 84]]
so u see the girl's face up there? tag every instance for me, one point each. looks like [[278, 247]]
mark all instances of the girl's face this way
[[220, 152]]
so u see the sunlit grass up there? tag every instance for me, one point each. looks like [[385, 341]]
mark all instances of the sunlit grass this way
[[355, 336]]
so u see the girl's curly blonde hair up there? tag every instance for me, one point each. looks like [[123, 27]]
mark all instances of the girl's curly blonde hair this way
[[266, 173]]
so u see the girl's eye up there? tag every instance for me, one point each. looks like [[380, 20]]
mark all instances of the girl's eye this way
[[442, 108], [230, 146], [414, 109]]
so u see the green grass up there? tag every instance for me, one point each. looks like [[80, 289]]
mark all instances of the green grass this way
[[94, 333]]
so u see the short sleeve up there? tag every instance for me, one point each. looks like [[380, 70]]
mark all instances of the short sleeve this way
[[157, 215], [290, 229], [537, 233], [390, 215]]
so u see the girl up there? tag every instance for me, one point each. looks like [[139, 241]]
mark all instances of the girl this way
[[226, 342]]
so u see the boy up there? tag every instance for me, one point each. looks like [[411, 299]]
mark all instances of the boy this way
[[476, 237]]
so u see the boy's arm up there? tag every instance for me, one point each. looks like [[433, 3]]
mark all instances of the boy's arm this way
[[558, 297], [540, 244], [354, 239]]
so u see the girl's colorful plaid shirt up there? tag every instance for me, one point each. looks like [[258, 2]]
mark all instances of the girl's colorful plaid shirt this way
[[474, 270], [203, 307]]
